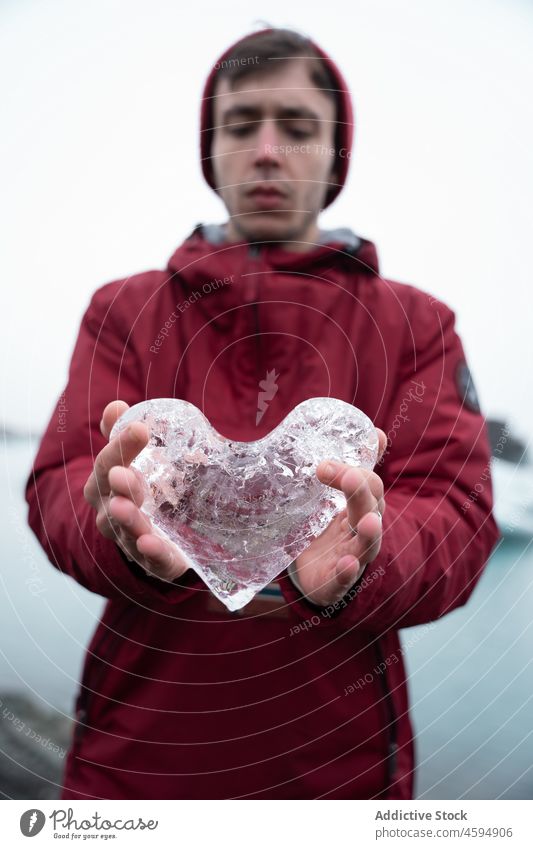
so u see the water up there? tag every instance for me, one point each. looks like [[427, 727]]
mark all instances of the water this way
[[46, 617], [471, 684], [470, 676]]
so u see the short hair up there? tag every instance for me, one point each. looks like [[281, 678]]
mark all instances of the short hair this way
[[262, 51]]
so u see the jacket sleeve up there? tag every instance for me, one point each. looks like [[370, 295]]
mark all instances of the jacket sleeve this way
[[103, 368], [438, 527]]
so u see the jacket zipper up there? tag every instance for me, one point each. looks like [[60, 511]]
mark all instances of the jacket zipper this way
[[87, 695], [392, 724], [254, 251]]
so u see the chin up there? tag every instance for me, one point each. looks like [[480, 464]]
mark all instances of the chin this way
[[272, 230]]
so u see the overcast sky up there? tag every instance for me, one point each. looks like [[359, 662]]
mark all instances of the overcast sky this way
[[100, 168]]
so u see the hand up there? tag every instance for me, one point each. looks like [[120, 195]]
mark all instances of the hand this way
[[117, 492], [337, 558]]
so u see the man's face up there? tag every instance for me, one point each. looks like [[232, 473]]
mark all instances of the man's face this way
[[273, 154]]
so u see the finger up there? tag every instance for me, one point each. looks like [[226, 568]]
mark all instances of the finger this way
[[107, 526], [165, 563], [376, 487], [341, 578], [368, 539], [346, 528], [111, 413], [359, 497], [122, 449], [128, 515], [380, 505], [382, 443], [331, 472], [127, 482], [164, 559], [347, 571], [353, 483]]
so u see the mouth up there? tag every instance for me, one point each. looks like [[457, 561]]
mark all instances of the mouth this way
[[266, 196]]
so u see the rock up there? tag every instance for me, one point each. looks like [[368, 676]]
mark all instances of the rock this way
[[33, 748]]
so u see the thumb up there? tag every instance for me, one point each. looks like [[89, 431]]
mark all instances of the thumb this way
[[111, 413]]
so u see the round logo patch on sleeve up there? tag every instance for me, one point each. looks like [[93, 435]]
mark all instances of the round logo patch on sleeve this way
[[465, 387]]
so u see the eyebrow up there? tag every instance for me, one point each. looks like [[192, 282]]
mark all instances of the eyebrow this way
[[256, 112]]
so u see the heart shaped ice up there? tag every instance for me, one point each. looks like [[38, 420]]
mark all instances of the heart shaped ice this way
[[240, 512]]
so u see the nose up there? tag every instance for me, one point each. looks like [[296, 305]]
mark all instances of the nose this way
[[267, 144]]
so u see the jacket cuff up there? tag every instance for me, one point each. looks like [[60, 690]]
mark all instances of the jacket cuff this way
[[291, 572]]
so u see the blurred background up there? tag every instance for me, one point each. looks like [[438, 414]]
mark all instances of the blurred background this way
[[101, 179]]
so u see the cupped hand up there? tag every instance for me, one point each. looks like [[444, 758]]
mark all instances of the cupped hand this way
[[116, 491], [337, 558]]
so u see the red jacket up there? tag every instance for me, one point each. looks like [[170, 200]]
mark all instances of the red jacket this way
[[178, 699]]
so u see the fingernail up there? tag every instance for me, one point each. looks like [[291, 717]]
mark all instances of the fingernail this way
[[329, 469]]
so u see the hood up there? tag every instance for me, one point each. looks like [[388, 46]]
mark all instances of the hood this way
[[205, 253], [205, 263], [345, 120]]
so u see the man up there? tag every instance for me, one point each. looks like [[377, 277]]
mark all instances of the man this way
[[303, 693]]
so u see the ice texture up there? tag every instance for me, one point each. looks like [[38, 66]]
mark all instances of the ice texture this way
[[240, 512]]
